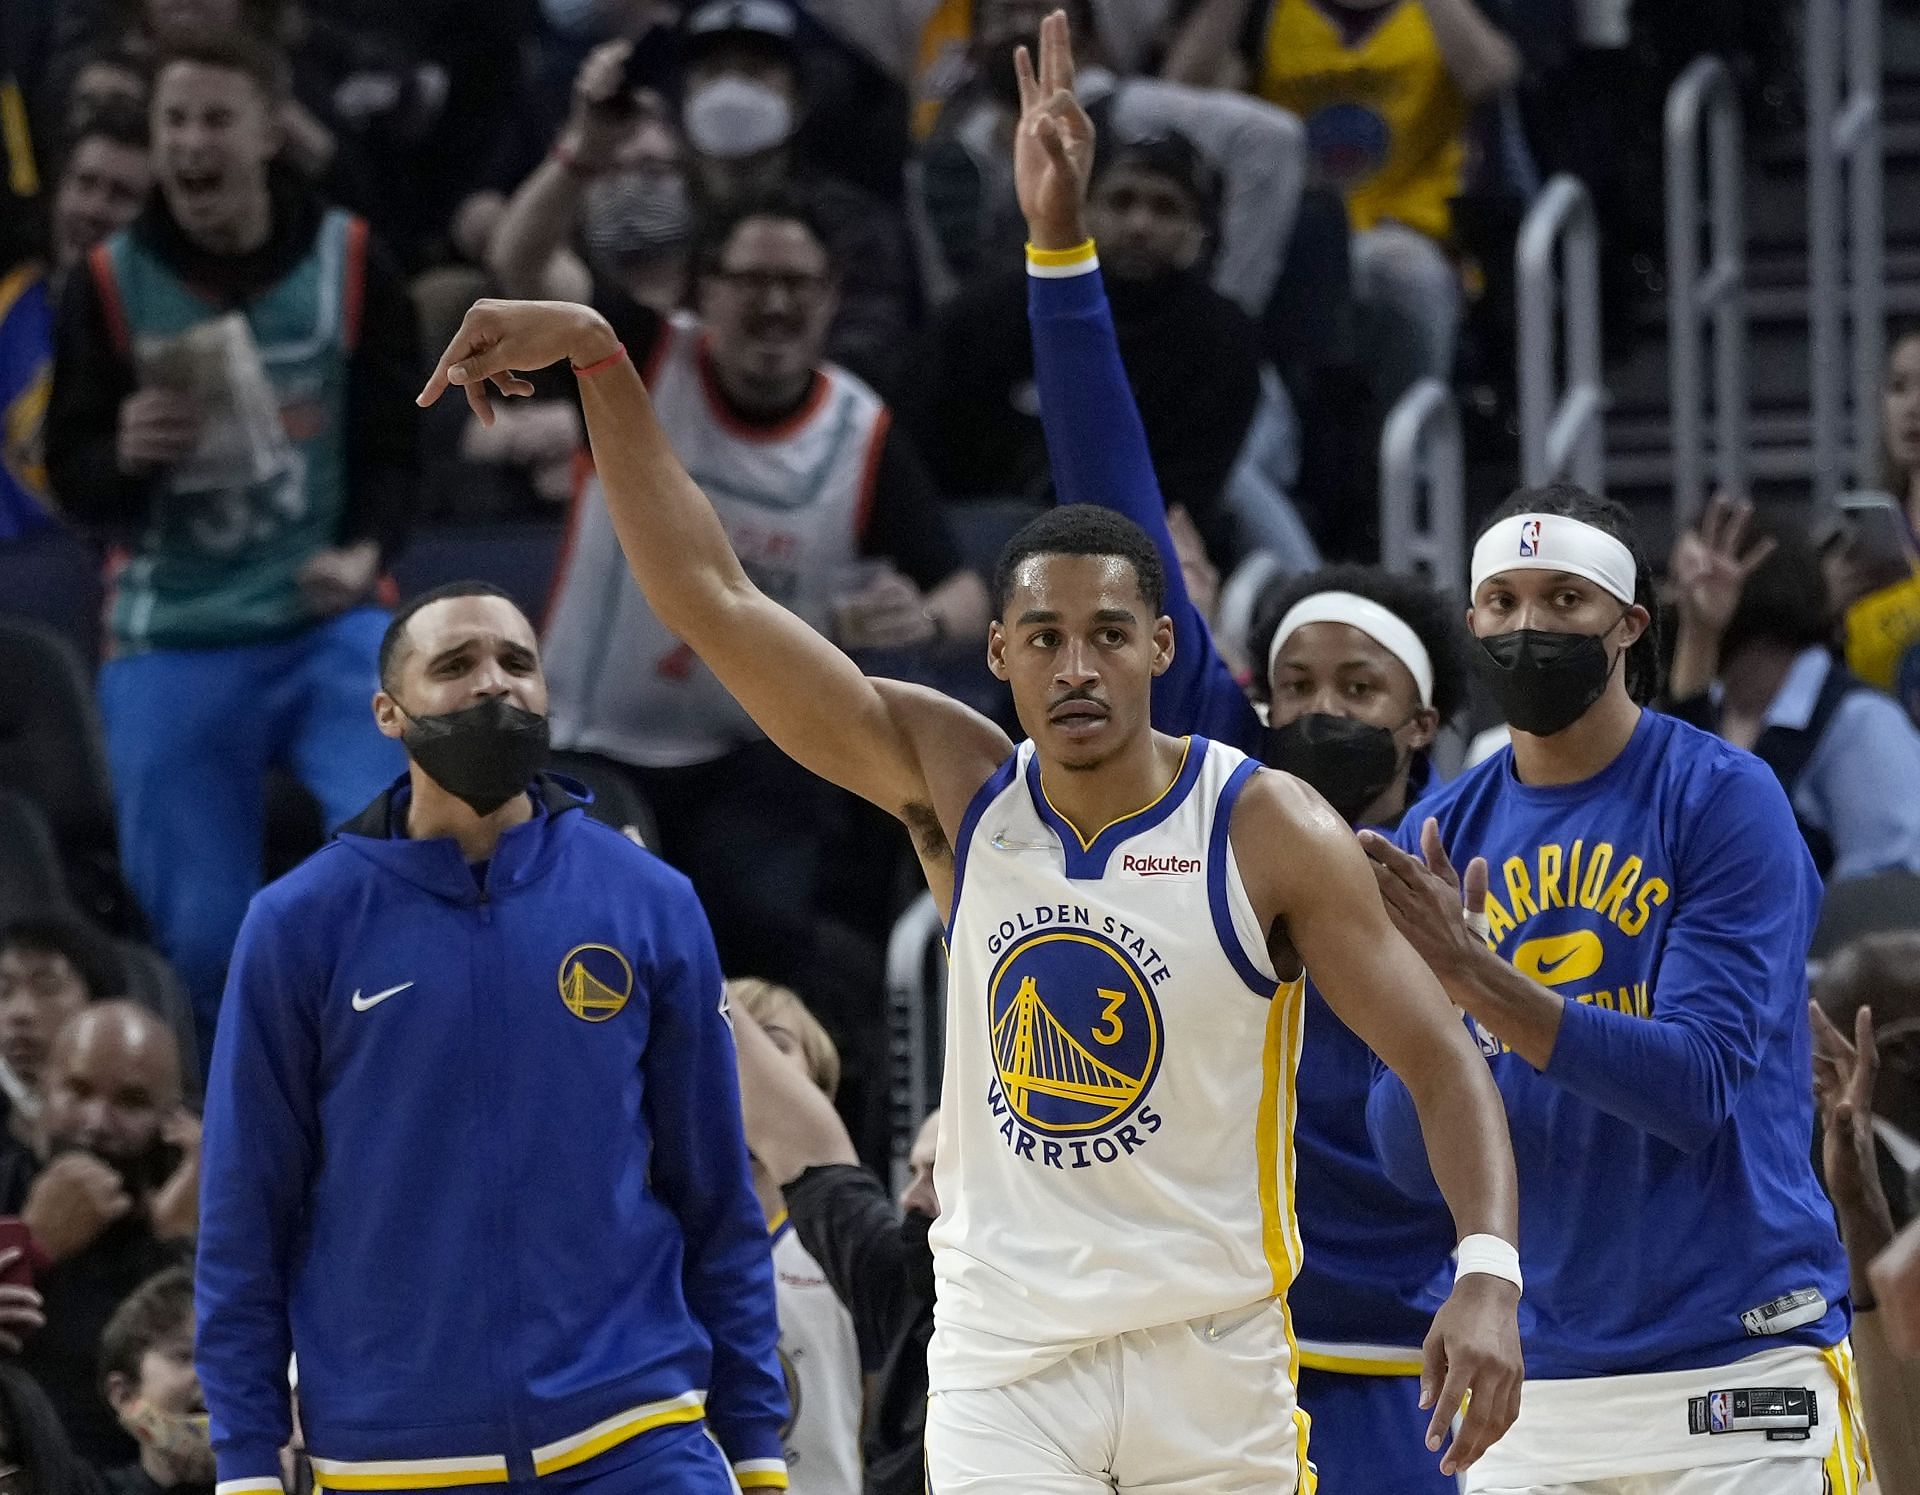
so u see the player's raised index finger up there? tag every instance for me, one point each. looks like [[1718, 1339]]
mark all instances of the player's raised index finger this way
[[464, 344]]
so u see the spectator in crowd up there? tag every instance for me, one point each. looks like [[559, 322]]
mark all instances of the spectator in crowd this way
[[51, 966], [243, 627], [873, 1250], [614, 183], [35, 1452], [819, 1350], [365, 1054], [1870, 564], [1192, 356], [741, 106], [1385, 88], [113, 74], [1900, 419], [830, 509], [100, 187], [102, 184], [147, 1376], [110, 1196], [606, 219], [1868, 1091], [1752, 661], [973, 219]]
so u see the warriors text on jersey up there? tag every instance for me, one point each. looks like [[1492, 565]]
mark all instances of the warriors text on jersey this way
[[1669, 1214], [1115, 1147]]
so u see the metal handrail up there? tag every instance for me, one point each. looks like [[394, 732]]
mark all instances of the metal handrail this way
[[1422, 457], [916, 1020], [1560, 428], [1846, 251], [1705, 94]]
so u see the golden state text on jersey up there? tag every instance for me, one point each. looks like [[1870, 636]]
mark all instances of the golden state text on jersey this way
[[1076, 1038]]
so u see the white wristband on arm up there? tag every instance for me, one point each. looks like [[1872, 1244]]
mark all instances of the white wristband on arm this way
[[1490, 1255]]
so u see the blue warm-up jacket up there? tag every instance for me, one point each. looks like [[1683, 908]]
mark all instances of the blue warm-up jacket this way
[[473, 1149]]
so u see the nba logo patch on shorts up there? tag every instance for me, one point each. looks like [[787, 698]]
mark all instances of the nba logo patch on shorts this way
[[1719, 1412], [1530, 537]]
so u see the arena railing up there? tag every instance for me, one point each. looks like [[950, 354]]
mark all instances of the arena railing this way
[[1423, 515], [1703, 109], [916, 1024], [1846, 253], [1558, 264]]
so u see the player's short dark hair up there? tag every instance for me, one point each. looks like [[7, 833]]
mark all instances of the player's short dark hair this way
[[151, 1314], [1433, 617], [1083, 529], [1571, 501], [120, 121], [781, 203], [393, 643], [89, 950], [241, 50]]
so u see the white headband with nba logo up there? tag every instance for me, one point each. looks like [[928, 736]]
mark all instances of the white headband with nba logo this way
[[1554, 542]]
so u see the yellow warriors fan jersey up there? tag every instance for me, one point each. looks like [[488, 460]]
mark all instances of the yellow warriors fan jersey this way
[[1385, 122], [1115, 1148]]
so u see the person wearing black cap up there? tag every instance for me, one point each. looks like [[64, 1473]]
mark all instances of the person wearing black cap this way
[[1192, 356]]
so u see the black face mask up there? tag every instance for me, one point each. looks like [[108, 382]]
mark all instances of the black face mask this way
[[1544, 681], [1351, 763], [482, 754], [918, 1259]]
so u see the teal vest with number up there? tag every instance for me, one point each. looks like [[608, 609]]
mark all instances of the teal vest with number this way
[[221, 567]]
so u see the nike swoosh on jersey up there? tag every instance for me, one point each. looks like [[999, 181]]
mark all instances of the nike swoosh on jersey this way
[[361, 1004]]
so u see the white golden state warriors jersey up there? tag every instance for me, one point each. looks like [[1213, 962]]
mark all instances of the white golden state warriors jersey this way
[[1115, 1147]]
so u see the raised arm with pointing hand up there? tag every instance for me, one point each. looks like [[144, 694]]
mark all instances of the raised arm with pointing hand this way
[[913, 752]]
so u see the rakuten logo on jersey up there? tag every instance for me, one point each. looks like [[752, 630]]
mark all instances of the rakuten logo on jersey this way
[[1151, 866]]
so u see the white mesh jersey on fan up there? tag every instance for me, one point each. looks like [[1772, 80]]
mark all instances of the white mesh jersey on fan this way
[[793, 499], [1115, 1148], [820, 1357]]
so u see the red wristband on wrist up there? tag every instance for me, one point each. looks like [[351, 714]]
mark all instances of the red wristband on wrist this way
[[619, 352]]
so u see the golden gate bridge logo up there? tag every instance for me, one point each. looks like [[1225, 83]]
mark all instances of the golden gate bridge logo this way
[[1075, 1031]]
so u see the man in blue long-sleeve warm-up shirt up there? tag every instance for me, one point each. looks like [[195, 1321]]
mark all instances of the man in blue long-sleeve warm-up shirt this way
[[473, 1141], [1640, 994]]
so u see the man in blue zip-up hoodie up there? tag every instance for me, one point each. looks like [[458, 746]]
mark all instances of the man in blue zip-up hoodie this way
[[473, 1140]]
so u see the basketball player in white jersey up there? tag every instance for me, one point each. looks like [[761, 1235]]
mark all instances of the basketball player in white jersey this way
[[1130, 919]]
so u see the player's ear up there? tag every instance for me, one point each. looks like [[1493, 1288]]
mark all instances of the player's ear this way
[[1422, 727], [1634, 622], [1162, 644], [997, 649], [388, 716]]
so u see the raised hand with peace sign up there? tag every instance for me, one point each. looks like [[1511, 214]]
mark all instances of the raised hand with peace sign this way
[[1053, 146]]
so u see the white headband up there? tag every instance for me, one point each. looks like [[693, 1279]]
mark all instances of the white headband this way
[[1385, 628], [1554, 542]]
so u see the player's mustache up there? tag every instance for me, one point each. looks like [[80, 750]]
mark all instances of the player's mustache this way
[[1085, 697]]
